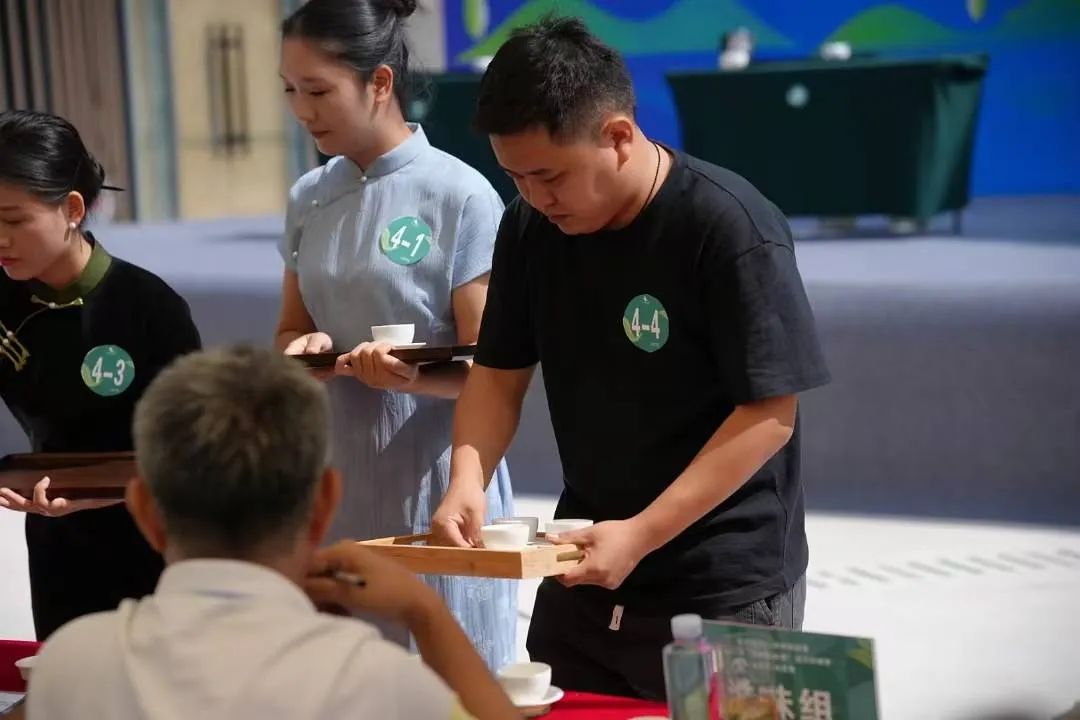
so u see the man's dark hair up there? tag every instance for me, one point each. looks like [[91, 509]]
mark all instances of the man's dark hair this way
[[232, 443], [556, 75]]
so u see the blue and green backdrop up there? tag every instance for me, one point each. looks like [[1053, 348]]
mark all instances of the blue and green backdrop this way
[[1029, 133]]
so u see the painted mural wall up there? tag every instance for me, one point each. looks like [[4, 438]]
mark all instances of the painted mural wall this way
[[1029, 134]]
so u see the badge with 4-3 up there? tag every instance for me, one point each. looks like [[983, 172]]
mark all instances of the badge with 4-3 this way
[[406, 241], [645, 323], [108, 370]]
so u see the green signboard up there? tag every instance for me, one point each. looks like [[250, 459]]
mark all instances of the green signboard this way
[[769, 673]]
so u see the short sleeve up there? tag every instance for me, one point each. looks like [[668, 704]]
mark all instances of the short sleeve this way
[[422, 693], [299, 204], [170, 330], [476, 236], [761, 326], [178, 330], [507, 339], [383, 680], [73, 668]]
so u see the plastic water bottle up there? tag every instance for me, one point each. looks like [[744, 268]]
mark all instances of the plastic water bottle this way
[[690, 671]]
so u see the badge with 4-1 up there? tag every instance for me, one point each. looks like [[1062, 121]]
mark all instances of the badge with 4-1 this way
[[406, 241]]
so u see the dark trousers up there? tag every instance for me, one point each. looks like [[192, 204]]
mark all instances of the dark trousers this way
[[86, 562], [573, 633]]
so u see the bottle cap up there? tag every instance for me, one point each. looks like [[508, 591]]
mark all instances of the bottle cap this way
[[686, 627]]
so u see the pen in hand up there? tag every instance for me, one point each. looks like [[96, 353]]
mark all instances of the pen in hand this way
[[347, 577]]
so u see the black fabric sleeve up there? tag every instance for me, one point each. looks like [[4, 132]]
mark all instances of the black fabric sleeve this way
[[761, 325], [170, 328], [507, 336]]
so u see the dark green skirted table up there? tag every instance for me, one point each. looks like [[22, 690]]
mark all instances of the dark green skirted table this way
[[865, 136], [445, 104]]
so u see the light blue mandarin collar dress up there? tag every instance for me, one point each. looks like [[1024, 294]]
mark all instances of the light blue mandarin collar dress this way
[[384, 245]]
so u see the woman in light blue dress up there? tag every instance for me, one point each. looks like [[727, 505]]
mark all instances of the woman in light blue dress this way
[[389, 231]]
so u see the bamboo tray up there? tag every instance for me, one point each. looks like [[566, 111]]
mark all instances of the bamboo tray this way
[[76, 476], [537, 560]]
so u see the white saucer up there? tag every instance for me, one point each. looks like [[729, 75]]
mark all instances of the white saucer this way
[[409, 346], [553, 696]]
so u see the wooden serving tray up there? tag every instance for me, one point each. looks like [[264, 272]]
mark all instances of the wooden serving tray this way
[[76, 476], [535, 561], [412, 355], [434, 353]]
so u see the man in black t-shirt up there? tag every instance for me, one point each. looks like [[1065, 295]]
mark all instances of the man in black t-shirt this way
[[661, 295]]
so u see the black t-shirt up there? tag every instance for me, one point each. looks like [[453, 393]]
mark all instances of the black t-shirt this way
[[649, 337], [122, 323]]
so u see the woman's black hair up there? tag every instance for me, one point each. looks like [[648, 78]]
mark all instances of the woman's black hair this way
[[363, 34], [44, 155]]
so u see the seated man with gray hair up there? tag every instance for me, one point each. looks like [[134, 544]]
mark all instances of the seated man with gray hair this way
[[235, 493]]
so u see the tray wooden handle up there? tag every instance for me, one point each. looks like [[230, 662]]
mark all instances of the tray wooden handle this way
[[76, 476], [398, 540]]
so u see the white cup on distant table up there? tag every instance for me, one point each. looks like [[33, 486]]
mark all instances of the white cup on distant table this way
[[393, 334], [525, 683], [532, 522], [734, 59], [565, 525], [508, 536], [835, 51]]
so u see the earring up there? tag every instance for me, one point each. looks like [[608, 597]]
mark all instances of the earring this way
[[73, 226]]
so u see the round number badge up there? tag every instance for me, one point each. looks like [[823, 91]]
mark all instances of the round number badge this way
[[645, 323], [108, 370], [406, 241]]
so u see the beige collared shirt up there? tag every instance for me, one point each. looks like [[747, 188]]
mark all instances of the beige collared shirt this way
[[223, 639]]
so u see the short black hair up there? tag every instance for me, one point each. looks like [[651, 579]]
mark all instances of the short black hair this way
[[556, 75], [363, 34], [44, 155]]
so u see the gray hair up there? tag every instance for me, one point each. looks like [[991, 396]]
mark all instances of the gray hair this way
[[232, 443]]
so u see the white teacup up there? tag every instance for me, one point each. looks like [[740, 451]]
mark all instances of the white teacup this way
[[26, 666], [526, 683], [532, 522], [563, 525], [393, 334], [509, 536], [734, 59], [835, 51]]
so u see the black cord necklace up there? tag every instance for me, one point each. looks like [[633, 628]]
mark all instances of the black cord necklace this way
[[656, 176]]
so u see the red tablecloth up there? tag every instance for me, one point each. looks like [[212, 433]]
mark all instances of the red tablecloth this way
[[10, 651], [583, 706]]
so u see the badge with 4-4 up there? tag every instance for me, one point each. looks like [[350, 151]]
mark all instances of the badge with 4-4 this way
[[108, 370], [406, 241], [645, 323]]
